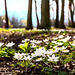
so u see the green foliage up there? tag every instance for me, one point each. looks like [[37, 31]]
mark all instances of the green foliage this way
[[22, 64], [25, 48], [66, 43], [5, 52], [62, 73]]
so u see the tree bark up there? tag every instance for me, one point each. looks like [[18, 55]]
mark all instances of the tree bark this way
[[6, 16], [57, 14], [71, 12], [29, 18], [45, 15], [62, 16], [36, 15]]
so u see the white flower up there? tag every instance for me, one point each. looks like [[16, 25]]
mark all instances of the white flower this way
[[10, 44], [27, 58], [62, 30], [39, 59], [49, 52], [53, 58], [40, 52], [20, 45], [33, 55], [33, 41], [46, 40], [54, 51], [22, 56], [60, 36], [59, 43], [38, 42], [73, 44], [68, 37], [74, 37], [18, 56], [33, 45], [63, 47], [55, 38], [1, 44], [54, 42], [26, 40], [65, 39], [65, 51]]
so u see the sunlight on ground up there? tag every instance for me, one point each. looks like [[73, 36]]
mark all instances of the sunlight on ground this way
[[34, 29]]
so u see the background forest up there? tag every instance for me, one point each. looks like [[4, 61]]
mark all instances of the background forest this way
[[56, 9]]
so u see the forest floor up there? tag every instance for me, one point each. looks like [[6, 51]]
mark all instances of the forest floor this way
[[18, 35]]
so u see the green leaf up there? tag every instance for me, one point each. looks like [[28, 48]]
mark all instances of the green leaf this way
[[62, 73]]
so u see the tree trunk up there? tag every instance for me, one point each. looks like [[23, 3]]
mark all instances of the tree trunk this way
[[71, 12], [29, 18], [62, 16], [57, 14], [6, 16], [36, 14], [45, 15]]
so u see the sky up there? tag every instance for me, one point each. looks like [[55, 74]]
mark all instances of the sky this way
[[19, 8]]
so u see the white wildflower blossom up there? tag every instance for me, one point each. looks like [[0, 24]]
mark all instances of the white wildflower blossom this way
[[48, 52], [40, 52], [33, 55], [39, 59], [1, 44], [53, 58], [65, 39], [63, 47], [62, 30], [25, 40], [22, 56], [33, 45], [27, 58], [74, 37], [46, 40], [73, 44], [33, 41], [10, 44], [60, 36], [38, 42], [18, 56], [59, 43], [54, 42], [65, 51], [55, 38], [20, 45]]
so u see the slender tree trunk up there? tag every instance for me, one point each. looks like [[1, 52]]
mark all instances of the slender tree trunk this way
[[36, 14], [62, 16], [45, 14], [6, 15], [29, 18], [57, 14], [71, 12]]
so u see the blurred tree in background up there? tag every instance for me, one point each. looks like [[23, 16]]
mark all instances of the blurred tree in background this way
[[45, 14], [36, 15], [6, 15], [29, 18], [57, 14], [62, 16], [71, 8]]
